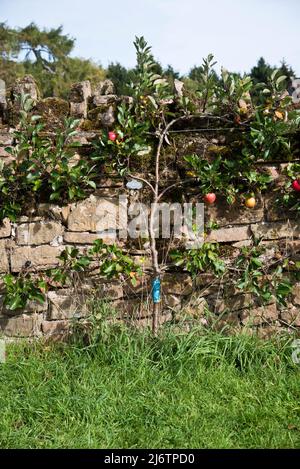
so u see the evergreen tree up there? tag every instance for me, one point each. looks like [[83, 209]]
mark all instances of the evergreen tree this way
[[45, 55]]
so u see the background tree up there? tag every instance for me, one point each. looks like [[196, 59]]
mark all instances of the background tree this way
[[47, 48], [261, 72], [196, 73], [287, 70], [120, 76], [201, 76], [169, 72], [72, 70], [10, 69], [45, 54]]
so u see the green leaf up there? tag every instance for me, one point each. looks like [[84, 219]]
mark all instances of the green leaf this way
[[92, 184], [274, 73], [15, 303], [71, 192], [9, 150], [39, 297], [280, 79], [153, 102], [35, 118]]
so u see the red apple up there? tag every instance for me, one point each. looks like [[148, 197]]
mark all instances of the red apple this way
[[112, 136], [210, 198], [296, 185]]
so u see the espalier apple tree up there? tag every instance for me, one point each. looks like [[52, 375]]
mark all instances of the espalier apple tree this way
[[146, 124]]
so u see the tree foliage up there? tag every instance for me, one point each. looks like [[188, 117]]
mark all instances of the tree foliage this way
[[45, 54]]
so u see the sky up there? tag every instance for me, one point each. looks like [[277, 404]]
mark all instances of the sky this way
[[181, 32]]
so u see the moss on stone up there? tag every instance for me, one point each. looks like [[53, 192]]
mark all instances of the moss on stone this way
[[53, 112], [56, 106], [87, 125]]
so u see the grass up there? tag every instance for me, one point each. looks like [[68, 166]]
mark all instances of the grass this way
[[128, 390]]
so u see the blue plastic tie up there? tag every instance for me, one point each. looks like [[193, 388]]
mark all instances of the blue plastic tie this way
[[156, 290]]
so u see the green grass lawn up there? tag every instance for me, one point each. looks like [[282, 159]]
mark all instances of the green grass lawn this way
[[128, 390]]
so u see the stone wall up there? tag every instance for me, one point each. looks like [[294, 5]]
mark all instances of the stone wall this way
[[36, 240]]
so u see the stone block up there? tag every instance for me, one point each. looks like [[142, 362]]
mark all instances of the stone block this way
[[79, 95], [26, 85], [291, 316], [276, 230], [260, 315], [104, 100], [173, 302], [233, 303], [130, 309], [268, 331], [6, 138], [5, 228], [75, 237], [229, 235], [37, 233], [226, 321], [24, 325], [34, 257], [242, 244], [204, 279], [4, 264], [295, 294], [176, 284], [96, 214], [80, 91], [105, 87], [56, 328], [53, 211], [196, 307], [109, 290], [67, 304]]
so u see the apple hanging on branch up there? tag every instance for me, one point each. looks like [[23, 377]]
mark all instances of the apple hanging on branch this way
[[250, 202], [296, 185], [210, 198], [112, 136]]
